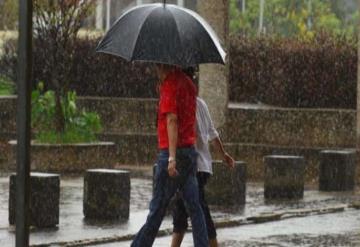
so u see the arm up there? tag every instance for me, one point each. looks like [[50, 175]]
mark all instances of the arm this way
[[172, 129], [220, 149], [215, 139], [168, 107]]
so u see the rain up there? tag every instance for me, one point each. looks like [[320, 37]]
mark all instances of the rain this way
[[280, 80]]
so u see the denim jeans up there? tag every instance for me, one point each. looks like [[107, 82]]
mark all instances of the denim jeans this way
[[180, 216], [164, 189]]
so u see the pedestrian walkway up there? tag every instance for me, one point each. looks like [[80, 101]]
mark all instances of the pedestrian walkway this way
[[340, 229], [73, 226]]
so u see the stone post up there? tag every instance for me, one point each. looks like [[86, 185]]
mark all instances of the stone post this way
[[337, 170], [44, 199], [213, 78], [227, 187], [106, 194], [284, 177]]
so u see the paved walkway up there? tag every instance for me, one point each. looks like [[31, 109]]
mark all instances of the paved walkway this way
[[342, 227]]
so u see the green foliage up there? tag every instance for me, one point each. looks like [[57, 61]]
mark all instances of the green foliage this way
[[290, 72], [7, 87], [289, 18], [56, 27], [80, 126], [93, 73]]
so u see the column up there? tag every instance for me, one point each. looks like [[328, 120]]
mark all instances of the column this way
[[99, 15], [108, 14], [213, 78], [180, 3]]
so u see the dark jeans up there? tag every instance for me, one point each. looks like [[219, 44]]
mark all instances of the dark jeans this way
[[164, 189], [180, 215]]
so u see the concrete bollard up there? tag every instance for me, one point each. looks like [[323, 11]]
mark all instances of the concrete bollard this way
[[44, 199], [106, 194], [227, 187], [284, 177], [337, 170]]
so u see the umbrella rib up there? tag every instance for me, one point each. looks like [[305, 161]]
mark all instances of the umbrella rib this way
[[215, 39], [177, 29]]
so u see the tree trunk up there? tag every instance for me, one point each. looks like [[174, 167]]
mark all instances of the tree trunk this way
[[59, 114]]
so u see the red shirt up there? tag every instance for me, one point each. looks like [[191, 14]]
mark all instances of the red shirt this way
[[178, 96]]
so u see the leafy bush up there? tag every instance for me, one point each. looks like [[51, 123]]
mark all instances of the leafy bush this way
[[105, 75], [8, 59], [7, 87], [56, 27], [92, 74], [289, 72], [80, 126], [295, 18]]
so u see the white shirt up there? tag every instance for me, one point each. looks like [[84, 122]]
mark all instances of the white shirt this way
[[205, 132]]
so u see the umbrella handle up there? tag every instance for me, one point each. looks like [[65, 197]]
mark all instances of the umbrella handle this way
[[164, 3]]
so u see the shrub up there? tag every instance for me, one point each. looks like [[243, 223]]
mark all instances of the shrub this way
[[287, 72], [92, 74], [80, 126], [56, 27], [294, 73], [7, 87], [8, 60], [98, 74]]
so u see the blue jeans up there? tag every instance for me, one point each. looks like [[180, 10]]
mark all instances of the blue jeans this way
[[180, 216], [164, 189]]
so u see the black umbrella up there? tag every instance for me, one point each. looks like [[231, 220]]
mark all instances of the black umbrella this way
[[163, 33]]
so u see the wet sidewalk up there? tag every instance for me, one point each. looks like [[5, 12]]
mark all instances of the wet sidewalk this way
[[340, 229], [342, 226]]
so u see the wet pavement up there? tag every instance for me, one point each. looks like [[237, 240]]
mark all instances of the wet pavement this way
[[337, 229], [340, 229]]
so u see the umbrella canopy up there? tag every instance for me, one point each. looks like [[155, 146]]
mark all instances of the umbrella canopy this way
[[163, 33]]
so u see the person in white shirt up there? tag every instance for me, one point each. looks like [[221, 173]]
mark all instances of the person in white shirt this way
[[206, 133]]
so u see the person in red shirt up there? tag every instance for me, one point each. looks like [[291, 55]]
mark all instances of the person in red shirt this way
[[176, 166]]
